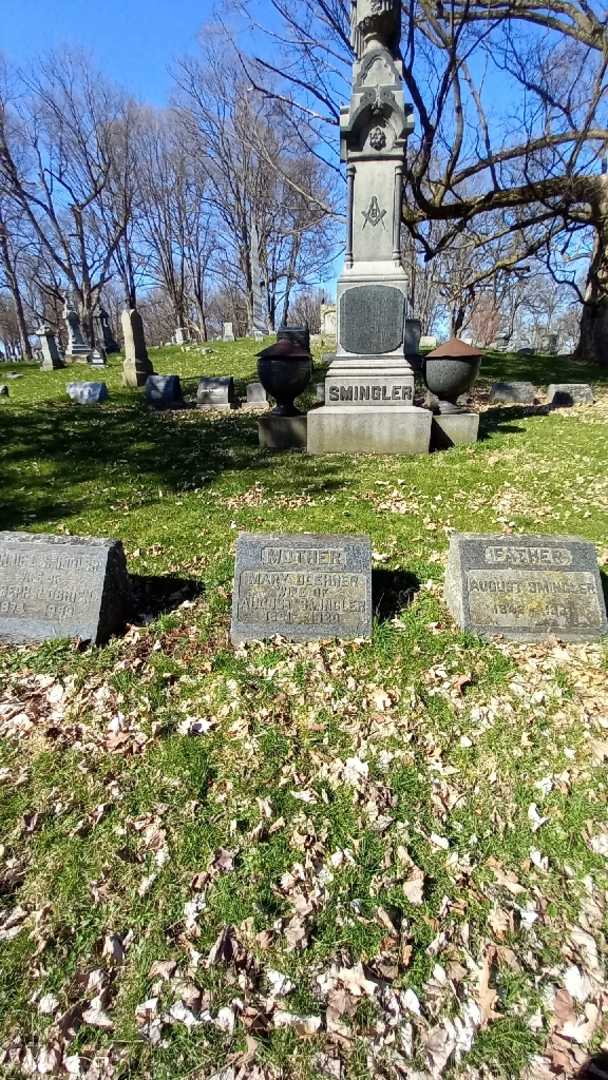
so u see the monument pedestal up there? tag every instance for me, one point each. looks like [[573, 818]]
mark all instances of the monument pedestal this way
[[283, 432], [381, 429], [454, 429]]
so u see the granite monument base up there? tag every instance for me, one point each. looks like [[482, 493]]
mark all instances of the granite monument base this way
[[366, 429], [454, 429], [283, 432]]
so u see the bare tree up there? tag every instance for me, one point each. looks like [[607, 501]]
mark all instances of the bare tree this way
[[56, 144]]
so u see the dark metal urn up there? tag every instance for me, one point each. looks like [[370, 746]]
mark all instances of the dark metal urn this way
[[450, 371], [284, 371]]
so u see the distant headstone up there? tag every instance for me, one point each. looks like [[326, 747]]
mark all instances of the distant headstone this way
[[562, 395], [88, 393], [137, 366], [302, 587], [164, 391], [550, 344], [520, 393], [502, 342], [51, 353], [103, 332], [180, 335], [78, 349], [4, 391], [428, 342], [256, 395], [329, 320], [228, 331], [98, 357], [61, 587], [528, 588], [216, 393]]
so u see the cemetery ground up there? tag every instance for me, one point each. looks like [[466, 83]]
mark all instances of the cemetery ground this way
[[384, 859]]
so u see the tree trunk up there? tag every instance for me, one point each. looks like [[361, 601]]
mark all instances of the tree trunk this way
[[593, 341], [15, 291]]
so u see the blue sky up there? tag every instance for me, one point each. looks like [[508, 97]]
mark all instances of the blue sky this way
[[134, 41]]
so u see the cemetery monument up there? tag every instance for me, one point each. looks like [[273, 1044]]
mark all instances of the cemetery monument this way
[[103, 332], [78, 350], [369, 391]]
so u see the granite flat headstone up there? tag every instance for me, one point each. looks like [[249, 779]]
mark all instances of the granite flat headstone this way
[[528, 588], [88, 393], [519, 393], [216, 393], [61, 587], [163, 391], [562, 395], [302, 587]]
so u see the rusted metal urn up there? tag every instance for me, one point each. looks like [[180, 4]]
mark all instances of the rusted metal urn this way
[[284, 370], [450, 371]]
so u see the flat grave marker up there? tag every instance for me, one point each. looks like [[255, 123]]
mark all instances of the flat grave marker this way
[[528, 588], [61, 587], [302, 587]]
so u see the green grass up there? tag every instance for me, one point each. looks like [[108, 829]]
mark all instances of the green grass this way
[[269, 781]]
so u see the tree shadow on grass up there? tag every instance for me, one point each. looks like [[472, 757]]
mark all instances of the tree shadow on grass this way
[[48, 453], [503, 419], [392, 591], [155, 596]]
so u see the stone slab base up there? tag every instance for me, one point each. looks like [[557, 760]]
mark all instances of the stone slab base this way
[[283, 432], [360, 429], [454, 429]]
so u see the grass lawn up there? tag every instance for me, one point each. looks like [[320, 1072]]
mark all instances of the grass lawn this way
[[321, 860]]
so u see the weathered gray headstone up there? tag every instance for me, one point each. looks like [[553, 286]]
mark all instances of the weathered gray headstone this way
[[61, 587], [302, 587], [561, 395], [428, 342], [137, 366], [51, 353], [228, 331], [256, 395], [528, 588], [520, 393], [216, 393], [88, 393], [164, 391]]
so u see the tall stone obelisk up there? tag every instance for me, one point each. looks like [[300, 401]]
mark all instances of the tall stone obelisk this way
[[369, 392]]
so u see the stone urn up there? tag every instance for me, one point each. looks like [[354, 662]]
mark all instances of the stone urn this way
[[450, 371], [284, 370]]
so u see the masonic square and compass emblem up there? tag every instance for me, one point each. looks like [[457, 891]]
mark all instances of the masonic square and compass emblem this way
[[374, 215]]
